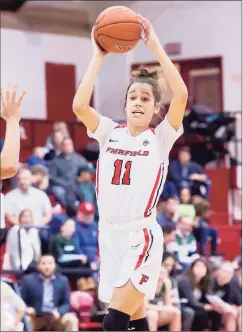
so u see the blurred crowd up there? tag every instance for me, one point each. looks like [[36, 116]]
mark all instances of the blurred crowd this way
[[49, 230]]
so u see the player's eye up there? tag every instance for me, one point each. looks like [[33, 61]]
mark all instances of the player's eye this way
[[132, 98], [145, 99]]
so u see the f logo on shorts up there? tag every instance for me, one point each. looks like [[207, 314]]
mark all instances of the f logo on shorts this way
[[143, 279]]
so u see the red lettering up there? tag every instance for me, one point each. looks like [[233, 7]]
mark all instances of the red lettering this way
[[144, 279], [121, 152]]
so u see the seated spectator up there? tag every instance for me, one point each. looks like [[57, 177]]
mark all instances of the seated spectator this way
[[86, 185], [169, 234], [61, 180], [40, 178], [65, 246], [47, 296], [203, 231], [169, 215], [186, 208], [12, 309], [23, 243], [185, 246], [53, 147], [187, 314], [160, 310], [57, 127], [87, 232], [3, 230], [193, 287], [37, 157], [228, 289], [26, 196], [184, 173]]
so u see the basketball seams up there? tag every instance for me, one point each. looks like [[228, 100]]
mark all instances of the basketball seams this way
[[125, 40], [127, 22]]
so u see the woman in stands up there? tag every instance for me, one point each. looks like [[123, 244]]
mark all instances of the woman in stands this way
[[131, 171], [11, 113]]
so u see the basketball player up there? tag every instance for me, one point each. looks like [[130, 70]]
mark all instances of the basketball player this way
[[131, 171], [11, 113]]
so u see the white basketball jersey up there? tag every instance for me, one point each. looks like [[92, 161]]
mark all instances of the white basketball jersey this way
[[131, 171]]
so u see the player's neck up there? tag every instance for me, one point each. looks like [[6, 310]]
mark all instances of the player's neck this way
[[135, 131]]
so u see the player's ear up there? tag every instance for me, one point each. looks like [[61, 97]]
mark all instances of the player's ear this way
[[157, 109]]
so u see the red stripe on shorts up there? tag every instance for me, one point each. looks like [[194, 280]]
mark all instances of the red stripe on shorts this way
[[145, 249], [152, 195]]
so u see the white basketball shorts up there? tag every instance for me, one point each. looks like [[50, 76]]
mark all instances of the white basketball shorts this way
[[130, 254]]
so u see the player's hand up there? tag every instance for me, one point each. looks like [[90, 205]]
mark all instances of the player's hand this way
[[96, 49], [11, 105], [150, 38]]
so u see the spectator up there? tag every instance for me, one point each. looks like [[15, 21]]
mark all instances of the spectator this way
[[160, 310], [185, 173], [169, 215], [12, 309], [193, 287], [57, 127], [228, 289], [185, 246], [53, 148], [62, 180], [187, 314], [87, 231], [169, 234], [47, 296], [40, 178], [2, 212], [202, 231], [186, 208], [66, 246], [37, 157], [86, 185], [25, 196], [23, 243]]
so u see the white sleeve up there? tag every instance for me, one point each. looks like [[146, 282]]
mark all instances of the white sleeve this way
[[104, 128], [166, 134]]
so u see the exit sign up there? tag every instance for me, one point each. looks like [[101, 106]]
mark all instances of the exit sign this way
[[173, 48]]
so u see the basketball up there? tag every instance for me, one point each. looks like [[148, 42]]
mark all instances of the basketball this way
[[117, 29]]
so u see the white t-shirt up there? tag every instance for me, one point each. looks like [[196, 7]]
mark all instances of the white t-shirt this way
[[2, 212], [131, 171], [34, 199]]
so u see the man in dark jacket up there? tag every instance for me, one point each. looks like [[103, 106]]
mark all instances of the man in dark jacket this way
[[47, 296], [184, 173], [63, 171]]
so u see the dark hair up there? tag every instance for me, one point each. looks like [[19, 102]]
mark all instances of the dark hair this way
[[206, 282], [149, 77], [202, 207], [169, 228]]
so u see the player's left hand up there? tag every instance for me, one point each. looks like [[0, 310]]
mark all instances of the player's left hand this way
[[150, 38], [11, 106]]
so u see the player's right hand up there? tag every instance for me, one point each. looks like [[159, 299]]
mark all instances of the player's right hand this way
[[11, 106], [97, 50]]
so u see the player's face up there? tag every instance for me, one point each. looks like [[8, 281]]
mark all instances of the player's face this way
[[140, 104]]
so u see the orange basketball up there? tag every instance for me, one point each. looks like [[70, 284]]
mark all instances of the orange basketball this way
[[117, 29]]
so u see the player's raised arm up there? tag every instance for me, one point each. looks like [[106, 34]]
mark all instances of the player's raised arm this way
[[171, 74], [81, 108], [11, 113]]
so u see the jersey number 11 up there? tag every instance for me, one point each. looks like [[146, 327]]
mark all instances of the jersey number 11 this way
[[120, 177]]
